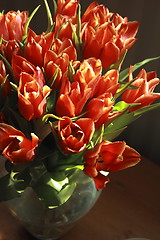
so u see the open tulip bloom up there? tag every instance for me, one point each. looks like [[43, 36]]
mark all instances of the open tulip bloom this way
[[64, 99]]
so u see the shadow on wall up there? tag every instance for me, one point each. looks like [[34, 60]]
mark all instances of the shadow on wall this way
[[144, 134]]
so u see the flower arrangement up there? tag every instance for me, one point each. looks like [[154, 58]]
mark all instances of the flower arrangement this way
[[64, 99]]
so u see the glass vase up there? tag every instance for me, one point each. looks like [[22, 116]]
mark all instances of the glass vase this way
[[50, 224]]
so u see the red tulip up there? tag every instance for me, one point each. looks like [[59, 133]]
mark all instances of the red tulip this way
[[71, 102], [15, 146], [20, 64], [65, 46], [55, 64], [108, 83], [73, 96], [9, 49], [95, 15], [74, 136], [105, 38], [12, 25], [32, 94], [37, 46], [66, 15], [57, 61], [108, 157], [67, 7], [88, 72], [145, 84], [124, 28], [99, 109], [64, 26]]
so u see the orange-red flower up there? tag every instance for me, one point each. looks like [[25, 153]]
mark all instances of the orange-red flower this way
[[108, 83], [95, 15], [55, 66], [67, 7], [143, 94], [36, 47], [32, 94], [20, 64], [64, 46], [12, 25], [108, 157], [15, 146], [74, 136], [99, 109], [64, 26], [66, 18], [88, 72], [71, 102], [74, 95], [4, 83], [56, 61], [110, 39], [9, 49]]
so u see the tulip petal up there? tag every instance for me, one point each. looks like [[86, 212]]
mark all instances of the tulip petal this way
[[109, 55]]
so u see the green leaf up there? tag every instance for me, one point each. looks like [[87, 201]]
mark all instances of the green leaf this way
[[52, 161], [53, 79], [121, 122], [50, 115], [79, 24], [146, 109], [71, 167], [74, 35], [7, 63], [2, 13], [68, 167], [7, 189], [124, 74], [28, 22], [109, 136], [74, 158], [21, 179], [4, 81], [123, 87], [57, 185], [53, 193], [61, 27], [14, 177], [51, 101], [54, 6], [98, 135], [66, 193], [47, 194], [58, 175], [14, 86], [47, 179], [118, 64], [78, 116], [77, 39], [71, 71], [121, 106], [49, 17]]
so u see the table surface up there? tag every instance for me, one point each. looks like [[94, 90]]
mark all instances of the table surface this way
[[128, 207]]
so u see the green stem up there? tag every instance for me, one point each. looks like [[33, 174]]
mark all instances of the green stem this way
[[49, 16], [28, 22]]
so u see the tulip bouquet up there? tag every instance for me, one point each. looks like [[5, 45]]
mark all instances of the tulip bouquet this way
[[64, 99]]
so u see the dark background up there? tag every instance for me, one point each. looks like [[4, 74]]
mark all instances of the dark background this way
[[144, 134]]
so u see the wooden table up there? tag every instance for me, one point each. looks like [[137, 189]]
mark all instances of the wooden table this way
[[128, 207]]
